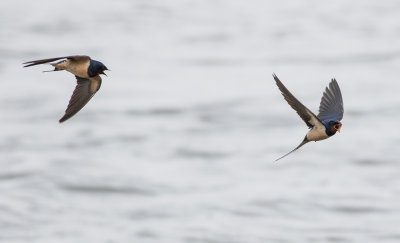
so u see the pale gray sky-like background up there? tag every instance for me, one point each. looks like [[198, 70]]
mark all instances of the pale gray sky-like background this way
[[179, 144]]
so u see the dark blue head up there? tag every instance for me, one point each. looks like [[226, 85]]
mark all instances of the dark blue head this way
[[332, 127], [96, 68]]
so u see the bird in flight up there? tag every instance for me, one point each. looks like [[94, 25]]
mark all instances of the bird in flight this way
[[327, 122], [87, 73]]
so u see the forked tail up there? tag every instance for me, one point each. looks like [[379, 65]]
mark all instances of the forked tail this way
[[301, 144]]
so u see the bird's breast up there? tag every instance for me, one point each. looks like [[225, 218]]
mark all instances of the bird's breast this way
[[317, 133]]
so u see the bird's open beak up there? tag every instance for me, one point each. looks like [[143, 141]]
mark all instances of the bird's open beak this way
[[102, 72], [338, 126]]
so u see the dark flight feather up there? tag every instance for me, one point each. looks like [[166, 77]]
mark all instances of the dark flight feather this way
[[80, 97], [331, 106], [301, 110], [42, 61]]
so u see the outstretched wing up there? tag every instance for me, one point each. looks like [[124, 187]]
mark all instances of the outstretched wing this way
[[331, 107], [308, 117], [301, 144], [42, 61], [84, 91]]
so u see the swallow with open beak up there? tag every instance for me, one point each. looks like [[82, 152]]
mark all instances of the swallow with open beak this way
[[327, 122], [87, 73]]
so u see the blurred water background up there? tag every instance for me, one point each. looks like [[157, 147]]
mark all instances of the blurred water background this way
[[178, 145]]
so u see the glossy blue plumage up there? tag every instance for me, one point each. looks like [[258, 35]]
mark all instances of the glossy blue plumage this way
[[95, 68], [331, 107], [87, 73], [327, 123]]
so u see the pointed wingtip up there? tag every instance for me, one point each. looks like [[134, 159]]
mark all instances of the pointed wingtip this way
[[30, 64], [333, 84], [277, 80], [334, 81], [63, 119], [27, 64]]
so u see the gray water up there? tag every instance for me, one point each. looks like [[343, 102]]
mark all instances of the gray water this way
[[179, 143]]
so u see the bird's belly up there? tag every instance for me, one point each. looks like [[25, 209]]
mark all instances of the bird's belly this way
[[316, 134]]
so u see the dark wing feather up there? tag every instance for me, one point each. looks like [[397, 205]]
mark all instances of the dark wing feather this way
[[331, 107], [308, 117], [80, 97], [42, 61]]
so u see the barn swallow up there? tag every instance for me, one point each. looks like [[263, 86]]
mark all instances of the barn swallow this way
[[327, 123], [87, 73]]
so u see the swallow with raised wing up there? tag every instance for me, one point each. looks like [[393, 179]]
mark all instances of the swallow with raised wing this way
[[87, 73], [327, 122]]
